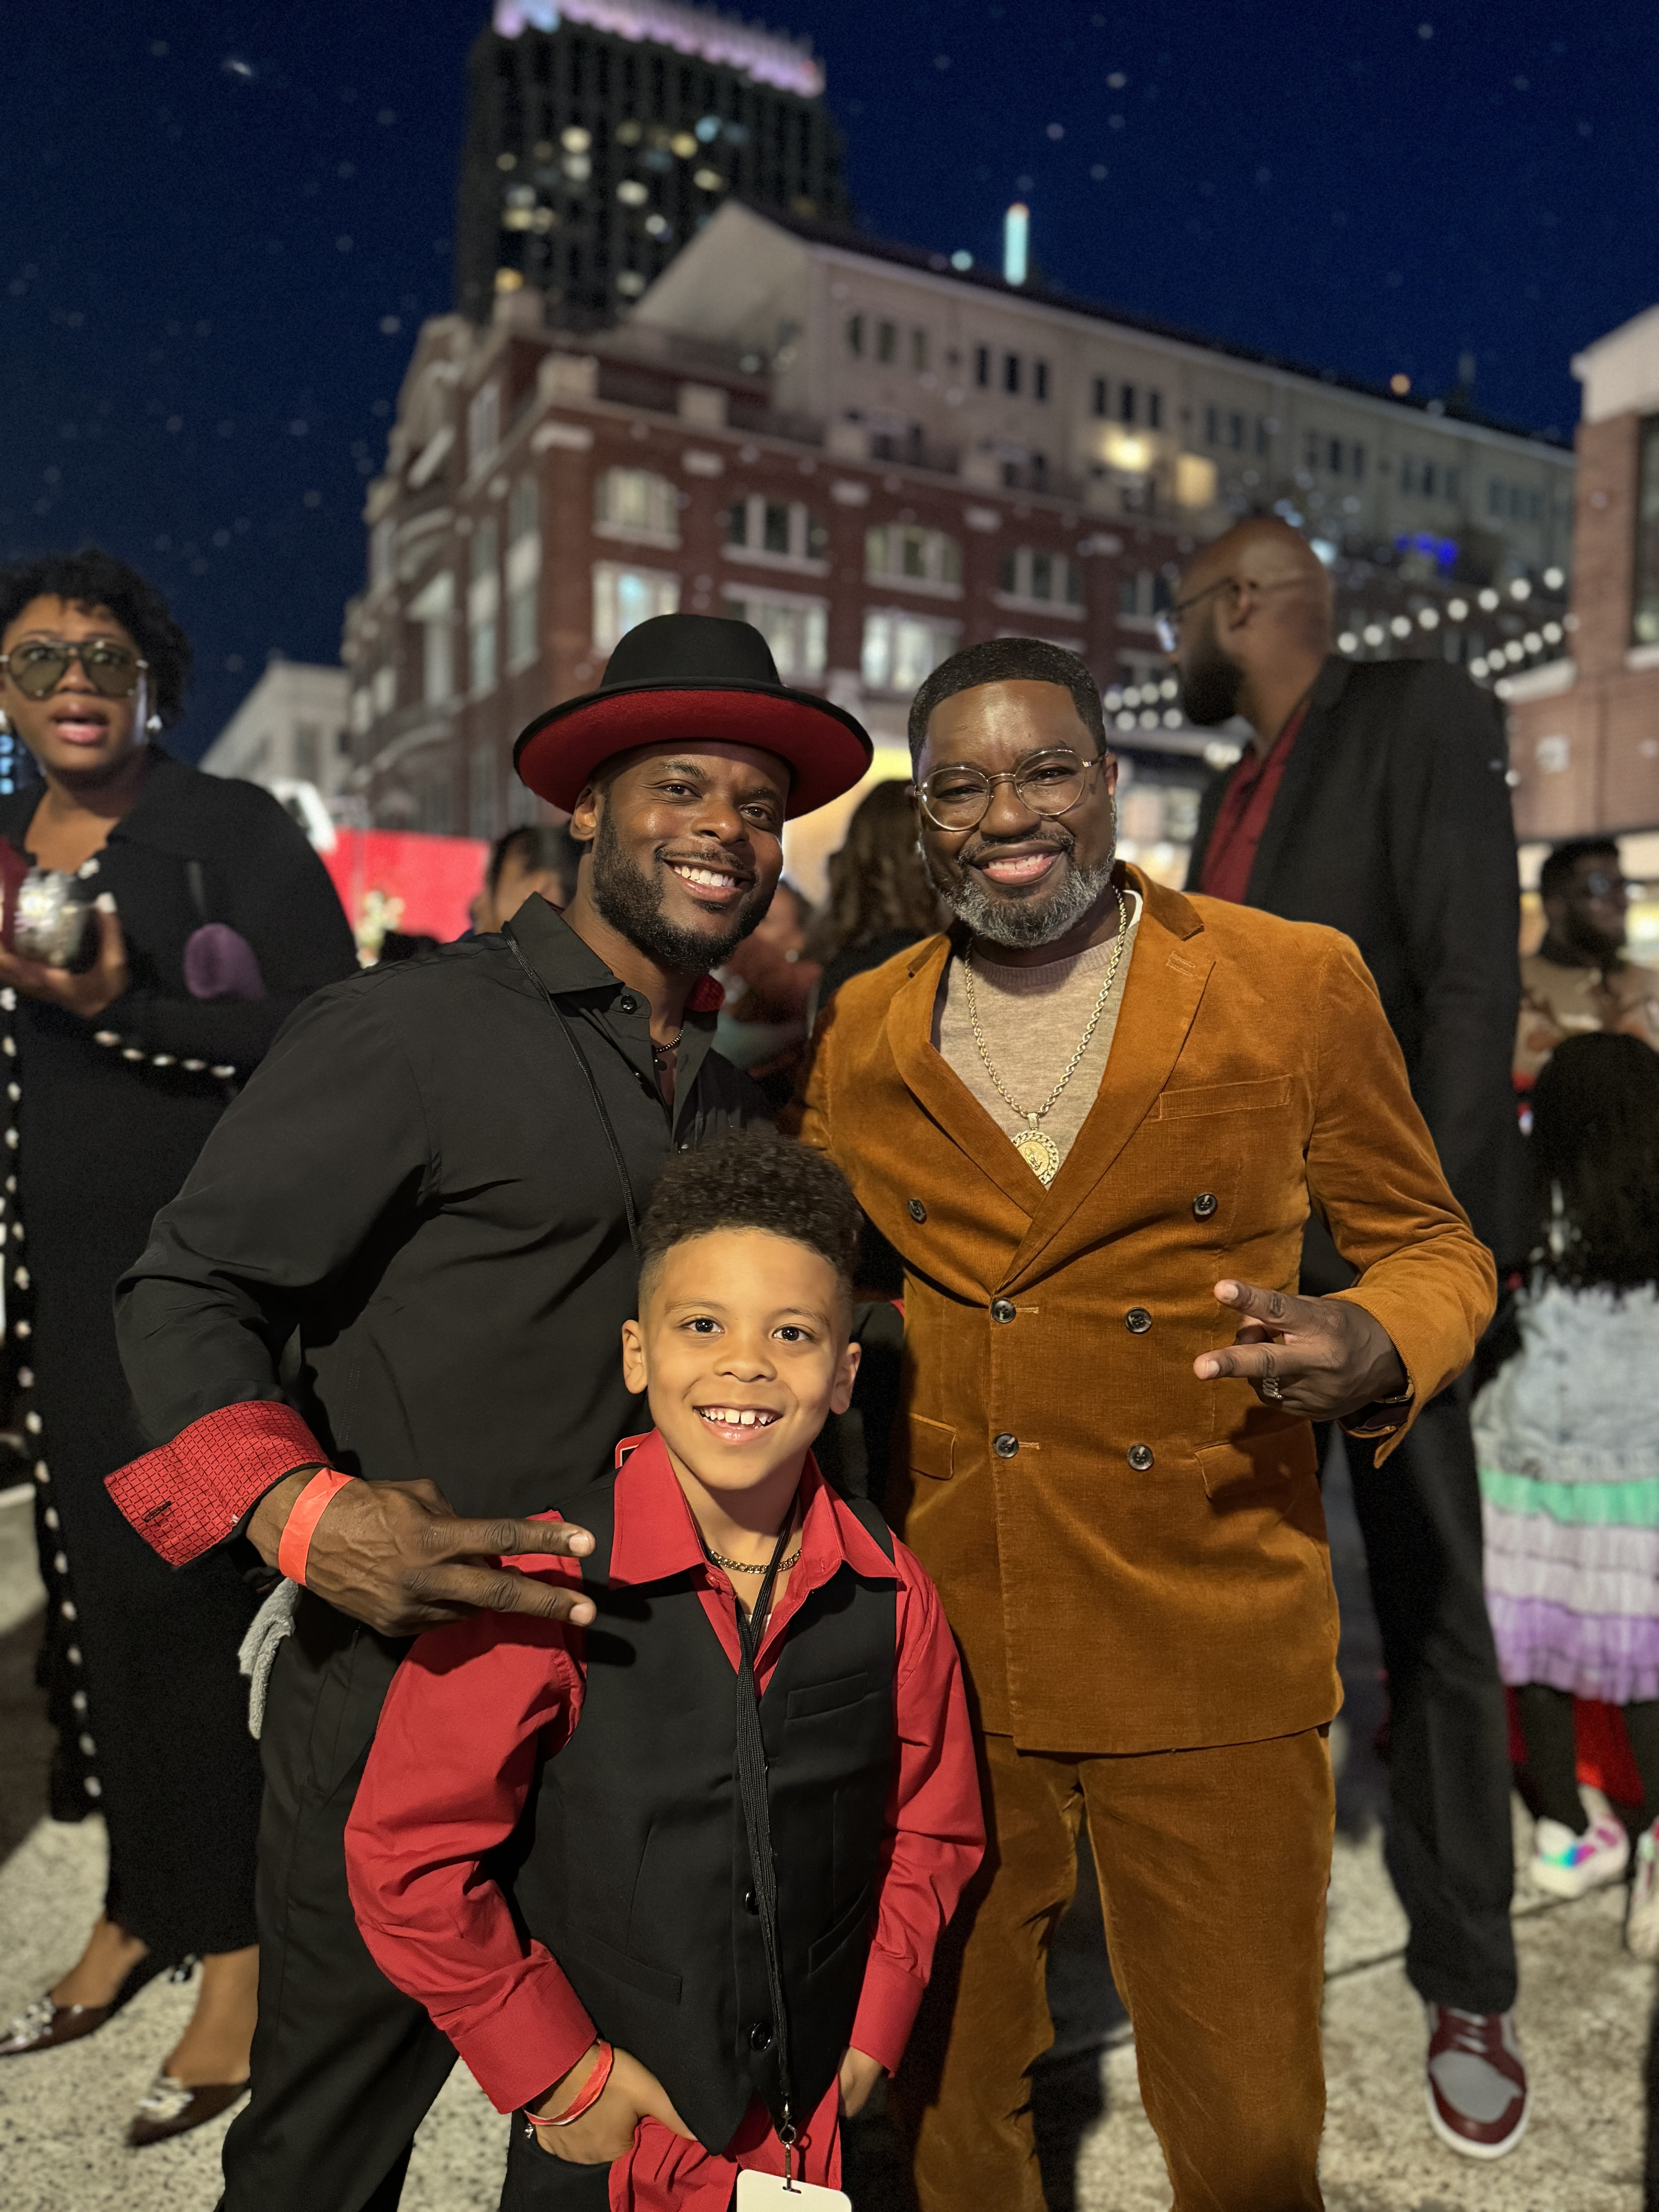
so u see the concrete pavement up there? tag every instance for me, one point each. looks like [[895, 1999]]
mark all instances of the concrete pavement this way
[[1585, 2011]]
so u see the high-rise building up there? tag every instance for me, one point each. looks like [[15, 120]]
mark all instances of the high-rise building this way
[[601, 134]]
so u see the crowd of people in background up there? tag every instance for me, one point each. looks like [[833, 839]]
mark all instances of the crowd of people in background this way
[[976, 924]]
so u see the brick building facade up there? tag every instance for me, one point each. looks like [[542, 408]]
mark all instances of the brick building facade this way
[[1584, 730], [877, 458]]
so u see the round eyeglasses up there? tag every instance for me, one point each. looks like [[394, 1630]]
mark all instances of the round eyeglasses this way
[[1047, 784], [39, 667]]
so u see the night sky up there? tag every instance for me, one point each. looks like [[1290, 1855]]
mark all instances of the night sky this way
[[220, 230]]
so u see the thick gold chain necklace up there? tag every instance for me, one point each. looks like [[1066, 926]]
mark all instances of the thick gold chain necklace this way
[[1034, 1145]]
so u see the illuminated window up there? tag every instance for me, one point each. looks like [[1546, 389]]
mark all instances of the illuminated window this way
[[900, 651], [433, 608], [910, 553], [1644, 613], [624, 598], [796, 630], [636, 504], [483, 608], [484, 424], [524, 570]]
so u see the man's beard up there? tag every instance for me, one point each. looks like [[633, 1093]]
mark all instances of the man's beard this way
[[1210, 683], [631, 902], [1023, 924]]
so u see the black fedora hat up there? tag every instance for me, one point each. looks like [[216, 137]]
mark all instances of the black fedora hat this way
[[679, 677]]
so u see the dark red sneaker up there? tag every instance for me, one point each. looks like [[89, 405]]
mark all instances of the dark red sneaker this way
[[1477, 2085]]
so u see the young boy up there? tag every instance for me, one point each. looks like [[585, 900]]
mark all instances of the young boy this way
[[560, 1843]]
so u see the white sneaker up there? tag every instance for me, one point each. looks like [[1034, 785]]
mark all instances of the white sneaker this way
[[1565, 1865], [1642, 1921]]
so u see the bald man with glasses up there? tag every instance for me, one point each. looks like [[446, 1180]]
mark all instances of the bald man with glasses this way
[[1373, 797]]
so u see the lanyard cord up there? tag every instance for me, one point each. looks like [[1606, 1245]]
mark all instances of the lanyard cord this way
[[758, 1824], [588, 1077]]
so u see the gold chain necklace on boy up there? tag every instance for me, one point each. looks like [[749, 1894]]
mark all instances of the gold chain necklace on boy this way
[[1034, 1145]]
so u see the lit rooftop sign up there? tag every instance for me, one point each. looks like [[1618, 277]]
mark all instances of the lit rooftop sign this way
[[762, 55]]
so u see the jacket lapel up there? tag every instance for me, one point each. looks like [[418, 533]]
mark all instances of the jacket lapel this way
[[1167, 971], [1310, 742], [940, 1092]]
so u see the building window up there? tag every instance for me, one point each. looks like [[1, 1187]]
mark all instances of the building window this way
[[433, 608], [783, 530], [1333, 456], [624, 598], [483, 607], [1154, 410], [480, 796], [910, 553], [887, 342], [1127, 403], [796, 630], [1212, 426], [982, 365], [1236, 433], [1040, 379], [1051, 579], [636, 504], [1011, 378], [855, 335], [1097, 399], [1263, 435], [919, 351], [307, 751], [1357, 463], [484, 424], [900, 651], [382, 551], [524, 569], [1644, 613], [1039, 473]]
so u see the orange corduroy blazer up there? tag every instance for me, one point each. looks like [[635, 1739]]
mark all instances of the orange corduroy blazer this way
[[1134, 1560]]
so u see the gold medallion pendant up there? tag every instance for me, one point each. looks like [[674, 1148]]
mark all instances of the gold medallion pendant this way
[[1040, 1153]]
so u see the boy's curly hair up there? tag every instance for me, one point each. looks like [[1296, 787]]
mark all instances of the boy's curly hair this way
[[754, 1179]]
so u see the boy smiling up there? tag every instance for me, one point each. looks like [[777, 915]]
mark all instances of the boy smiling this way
[[750, 1780]]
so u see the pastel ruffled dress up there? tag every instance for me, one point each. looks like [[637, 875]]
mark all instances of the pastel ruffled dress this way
[[1567, 1437]]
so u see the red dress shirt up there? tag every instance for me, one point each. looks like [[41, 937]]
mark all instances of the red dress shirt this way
[[1245, 806], [455, 1757]]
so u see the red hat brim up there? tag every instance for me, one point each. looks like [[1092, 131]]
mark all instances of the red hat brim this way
[[825, 750]]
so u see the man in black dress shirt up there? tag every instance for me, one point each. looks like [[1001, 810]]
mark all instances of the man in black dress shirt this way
[[1373, 798], [423, 1207]]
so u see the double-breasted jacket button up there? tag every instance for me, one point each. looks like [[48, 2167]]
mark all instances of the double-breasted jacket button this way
[[1140, 1457], [1137, 1320], [1002, 1309], [759, 2036], [1204, 1204], [1005, 1446], [628, 1003], [916, 1210]]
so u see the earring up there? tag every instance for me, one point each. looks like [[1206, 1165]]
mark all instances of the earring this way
[[154, 725]]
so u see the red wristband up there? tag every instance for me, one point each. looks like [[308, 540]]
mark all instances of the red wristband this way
[[294, 1547], [586, 2096]]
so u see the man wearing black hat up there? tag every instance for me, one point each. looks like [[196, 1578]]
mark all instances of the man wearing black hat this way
[[424, 1209]]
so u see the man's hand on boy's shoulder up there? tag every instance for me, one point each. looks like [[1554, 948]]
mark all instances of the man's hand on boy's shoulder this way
[[396, 1556], [858, 2075], [606, 2131]]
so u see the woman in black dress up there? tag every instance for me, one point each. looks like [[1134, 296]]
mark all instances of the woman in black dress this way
[[112, 1078]]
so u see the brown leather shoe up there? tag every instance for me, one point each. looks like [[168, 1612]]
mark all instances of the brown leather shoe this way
[[46, 2026], [169, 2108]]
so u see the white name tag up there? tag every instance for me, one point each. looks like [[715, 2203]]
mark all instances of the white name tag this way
[[768, 2192]]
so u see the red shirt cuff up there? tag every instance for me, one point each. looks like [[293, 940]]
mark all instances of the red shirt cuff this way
[[188, 1495], [529, 2038], [887, 2010]]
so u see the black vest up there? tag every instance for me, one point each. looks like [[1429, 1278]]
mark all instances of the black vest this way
[[631, 1862]]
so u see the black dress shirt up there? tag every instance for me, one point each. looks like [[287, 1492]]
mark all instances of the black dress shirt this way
[[413, 1210]]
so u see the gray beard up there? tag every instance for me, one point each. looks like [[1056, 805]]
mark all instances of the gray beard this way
[[1024, 924]]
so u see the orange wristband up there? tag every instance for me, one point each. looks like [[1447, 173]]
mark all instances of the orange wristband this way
[[295, 1548]]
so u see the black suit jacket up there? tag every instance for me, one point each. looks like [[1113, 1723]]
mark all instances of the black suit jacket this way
[[1393, 824]]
